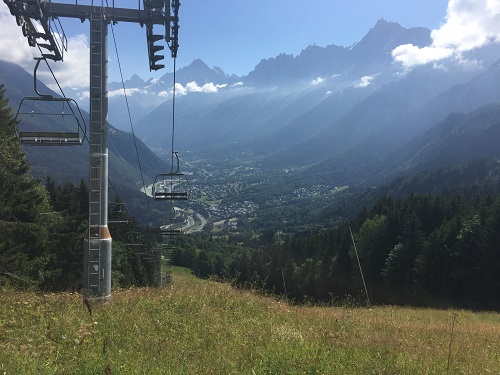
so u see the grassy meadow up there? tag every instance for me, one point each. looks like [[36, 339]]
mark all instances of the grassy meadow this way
[[203, 327]]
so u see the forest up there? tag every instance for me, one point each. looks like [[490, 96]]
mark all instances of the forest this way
[[415, 247], [43, 226]]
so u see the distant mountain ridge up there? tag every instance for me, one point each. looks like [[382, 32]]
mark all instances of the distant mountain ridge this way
[[197, 71], [334, 112], [362, 58]]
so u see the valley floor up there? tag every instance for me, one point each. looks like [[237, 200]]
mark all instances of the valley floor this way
[[204, 327]]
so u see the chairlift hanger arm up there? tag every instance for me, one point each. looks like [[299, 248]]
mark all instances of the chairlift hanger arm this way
[[82, 12], [43, 10]]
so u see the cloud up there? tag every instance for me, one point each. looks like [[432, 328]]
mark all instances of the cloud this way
[[469, 24], [130, 92], [84, 95], [411, 56], [180, 90], [14, 47], [364, 82], [192, 87], [206, 88], [73, 72], [317, 81]]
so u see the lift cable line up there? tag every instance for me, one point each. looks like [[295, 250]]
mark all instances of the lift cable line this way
[[173, 119], [166, 185], [172, 185], [131, 123], [30, 14]]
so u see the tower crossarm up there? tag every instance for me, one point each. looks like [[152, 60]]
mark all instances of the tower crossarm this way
[[142, 16]]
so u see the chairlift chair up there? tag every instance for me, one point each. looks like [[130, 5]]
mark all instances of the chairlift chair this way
[[171, 186], [135, 239], [42, 106], [116, 212]]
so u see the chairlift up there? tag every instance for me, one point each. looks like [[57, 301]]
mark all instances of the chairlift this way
[[171, 186], [135, 239], [47, 109], [117, 211]]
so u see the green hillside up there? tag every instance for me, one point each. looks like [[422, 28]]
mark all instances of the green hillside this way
[[204, 327]]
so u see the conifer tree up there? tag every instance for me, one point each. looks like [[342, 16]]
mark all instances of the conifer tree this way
[[23, 236]]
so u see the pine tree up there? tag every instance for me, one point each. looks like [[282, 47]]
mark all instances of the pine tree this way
[[23, 232]]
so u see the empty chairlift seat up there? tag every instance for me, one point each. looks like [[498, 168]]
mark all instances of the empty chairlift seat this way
[[46, 120], [171, 186], [50, 121]]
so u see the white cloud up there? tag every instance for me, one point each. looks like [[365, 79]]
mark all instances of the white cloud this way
[[410, 55], [119, 92], [364, 81], [73, 72], [180, 90], [469, 24], [14, 46], [317, 81], [206, 88], [194, 87], [84, 95]]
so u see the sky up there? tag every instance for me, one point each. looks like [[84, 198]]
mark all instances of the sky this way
[[236, 35]]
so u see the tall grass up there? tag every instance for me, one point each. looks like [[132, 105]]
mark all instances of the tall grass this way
[[203, 327]]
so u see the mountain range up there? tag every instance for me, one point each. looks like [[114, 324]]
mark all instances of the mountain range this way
[[71, 164], [344, 114], [336, 111]]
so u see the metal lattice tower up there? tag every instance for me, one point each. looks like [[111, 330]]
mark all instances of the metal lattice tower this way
[[52, 43], [97, 249]]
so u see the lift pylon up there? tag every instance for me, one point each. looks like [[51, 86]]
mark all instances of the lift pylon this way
[[30, 14]]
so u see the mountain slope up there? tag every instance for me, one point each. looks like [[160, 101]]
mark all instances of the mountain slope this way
[[459, 138], [370, 117], [70, 164], [379, 156]]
